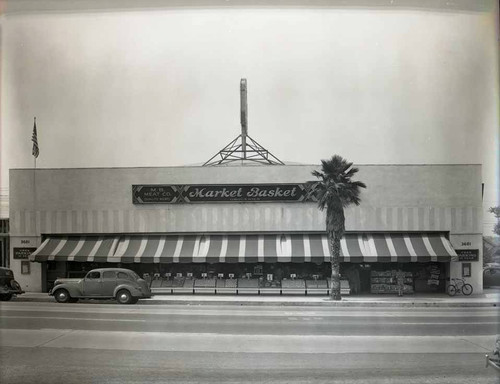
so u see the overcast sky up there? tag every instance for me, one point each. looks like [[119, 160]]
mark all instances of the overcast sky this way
[[160, 86]]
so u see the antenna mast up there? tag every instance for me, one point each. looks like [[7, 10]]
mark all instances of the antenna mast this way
[[244, 148], [244, 115]]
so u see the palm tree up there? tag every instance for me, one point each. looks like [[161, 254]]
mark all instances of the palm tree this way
[[336, 191]]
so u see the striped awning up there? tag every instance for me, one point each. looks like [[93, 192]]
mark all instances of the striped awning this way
[[254, 248], [285, 248], [83, 248], [208, 249]]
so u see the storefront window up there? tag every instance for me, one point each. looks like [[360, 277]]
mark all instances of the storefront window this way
[[466, 270], [25, 267]]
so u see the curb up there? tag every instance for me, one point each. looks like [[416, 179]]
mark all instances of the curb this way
[[351, 304], [324, 303]]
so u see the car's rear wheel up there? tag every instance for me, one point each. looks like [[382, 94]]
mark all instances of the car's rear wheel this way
[[124, 297], [62, 296], [6, 297]]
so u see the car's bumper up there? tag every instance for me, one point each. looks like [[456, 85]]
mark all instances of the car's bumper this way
[[10, 287], [492, 363], [11, 292]]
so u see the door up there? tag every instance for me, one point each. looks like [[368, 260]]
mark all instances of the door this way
[[108, 283], [92, 284]]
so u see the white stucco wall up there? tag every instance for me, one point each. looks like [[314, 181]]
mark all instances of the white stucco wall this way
[[398, 198]]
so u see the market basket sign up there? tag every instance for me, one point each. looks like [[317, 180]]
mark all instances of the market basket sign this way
[[223, 193]]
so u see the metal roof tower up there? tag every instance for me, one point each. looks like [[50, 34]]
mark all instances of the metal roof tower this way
[[243, 148]]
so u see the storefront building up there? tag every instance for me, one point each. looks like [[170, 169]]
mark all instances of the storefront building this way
[[246, 228]]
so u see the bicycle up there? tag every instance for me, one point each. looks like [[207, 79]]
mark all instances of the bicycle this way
[[459, 286]]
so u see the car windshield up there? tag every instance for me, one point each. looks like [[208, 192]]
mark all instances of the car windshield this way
[[135, 275]]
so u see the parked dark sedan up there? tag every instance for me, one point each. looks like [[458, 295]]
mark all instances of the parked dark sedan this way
[[491, 276], [8, 286], [121, 284]]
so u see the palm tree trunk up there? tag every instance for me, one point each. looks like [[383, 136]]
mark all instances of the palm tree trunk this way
[[334, 242]]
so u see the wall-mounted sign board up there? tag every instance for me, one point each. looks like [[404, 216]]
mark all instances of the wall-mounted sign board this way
[[222, 193], [23, 253], [467, 254]]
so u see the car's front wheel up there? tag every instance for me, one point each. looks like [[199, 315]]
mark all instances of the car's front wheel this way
[[124, 297], [62, 296]]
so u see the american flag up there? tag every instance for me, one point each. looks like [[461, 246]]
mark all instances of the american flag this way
[[35, 152]]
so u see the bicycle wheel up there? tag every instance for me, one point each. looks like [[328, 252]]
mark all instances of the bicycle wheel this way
[[467, 289], [452, 290]]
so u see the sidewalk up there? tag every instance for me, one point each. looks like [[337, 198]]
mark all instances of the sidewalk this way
[[490, 298]]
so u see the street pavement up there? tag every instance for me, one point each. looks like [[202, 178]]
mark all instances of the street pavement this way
[[103, 342]]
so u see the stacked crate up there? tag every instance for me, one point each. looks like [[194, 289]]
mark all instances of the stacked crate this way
[[248, 286], [293, 286]]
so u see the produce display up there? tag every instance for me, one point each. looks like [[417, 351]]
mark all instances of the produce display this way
[[231, 283], [156, 283], [385, 282], [270, 284], [248, 283], [204, 283], [167, 283], [293, 284], [434, 277], [321, 284], [178, 282]]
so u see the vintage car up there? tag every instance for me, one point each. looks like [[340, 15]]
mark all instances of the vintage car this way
[[121, 284], [494, 360], [8, 286]]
